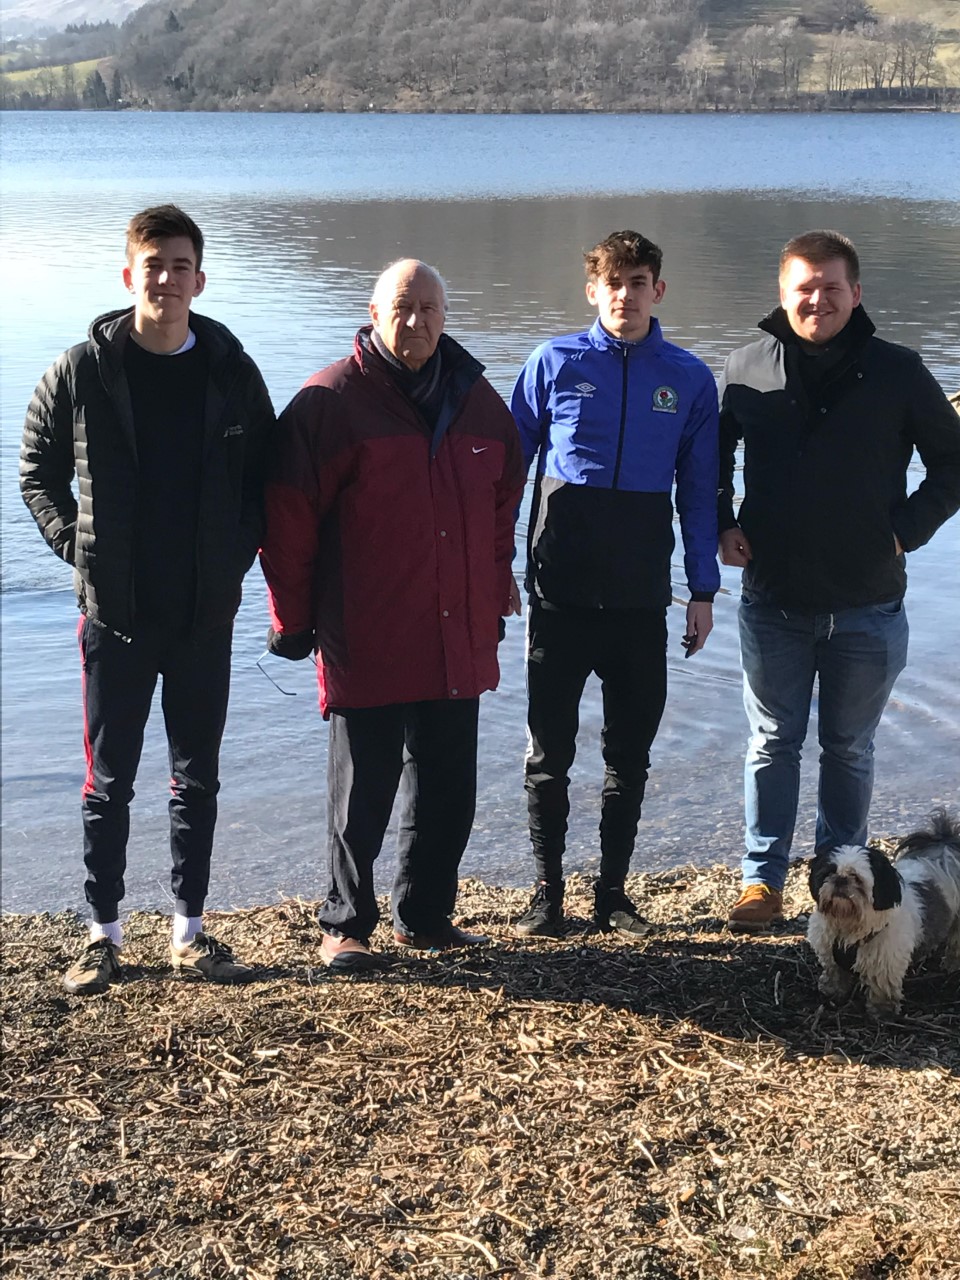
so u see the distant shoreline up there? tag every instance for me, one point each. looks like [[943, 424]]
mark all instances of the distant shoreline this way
[[877, 109]]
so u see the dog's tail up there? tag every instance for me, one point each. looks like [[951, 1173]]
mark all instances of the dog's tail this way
[[944, 828]]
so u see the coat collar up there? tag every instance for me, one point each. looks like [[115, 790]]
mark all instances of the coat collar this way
[[856, 332], [605, 341], [453, 356], [109, 333]]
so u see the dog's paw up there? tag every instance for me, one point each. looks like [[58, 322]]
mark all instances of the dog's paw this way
[[882, 1009], [836, 987]]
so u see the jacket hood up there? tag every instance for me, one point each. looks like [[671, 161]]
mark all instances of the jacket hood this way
[[109, 332], [605, 341], [857, 329]]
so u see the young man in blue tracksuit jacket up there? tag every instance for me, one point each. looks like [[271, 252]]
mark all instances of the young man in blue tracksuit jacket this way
[[617, 415]]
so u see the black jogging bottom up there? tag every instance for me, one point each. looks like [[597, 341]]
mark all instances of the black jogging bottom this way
[[626, 648], [119, 679]]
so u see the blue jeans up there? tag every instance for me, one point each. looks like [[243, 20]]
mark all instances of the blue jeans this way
[[857, 655]]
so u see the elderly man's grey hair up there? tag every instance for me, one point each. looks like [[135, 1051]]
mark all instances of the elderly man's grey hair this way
[[385, 287]]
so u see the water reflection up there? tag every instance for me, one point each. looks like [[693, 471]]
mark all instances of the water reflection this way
[[291, 275]]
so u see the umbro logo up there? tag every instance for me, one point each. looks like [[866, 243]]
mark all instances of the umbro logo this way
[[585, 388]]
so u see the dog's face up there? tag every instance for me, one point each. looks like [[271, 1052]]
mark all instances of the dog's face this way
[[853, 885]]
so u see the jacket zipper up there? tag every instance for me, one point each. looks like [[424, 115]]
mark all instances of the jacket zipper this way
[[110, 391], [623, 422]]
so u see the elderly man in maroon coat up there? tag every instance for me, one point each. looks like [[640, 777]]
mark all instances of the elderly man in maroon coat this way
[[388, 553]]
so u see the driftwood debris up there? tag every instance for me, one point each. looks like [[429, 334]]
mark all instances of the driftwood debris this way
[[683, 1107]]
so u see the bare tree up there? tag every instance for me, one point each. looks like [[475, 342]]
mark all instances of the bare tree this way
[[695, 63], [753, 52], [71, 98], [914, 51], [840, 62], [793, 49], [876, 53]]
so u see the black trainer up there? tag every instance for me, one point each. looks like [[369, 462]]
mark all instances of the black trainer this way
[[613, 911], [544, 916]]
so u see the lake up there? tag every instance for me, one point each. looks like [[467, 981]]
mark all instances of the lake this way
[[300, 214]]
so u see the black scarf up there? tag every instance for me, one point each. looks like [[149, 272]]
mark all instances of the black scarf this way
[[423, 387]]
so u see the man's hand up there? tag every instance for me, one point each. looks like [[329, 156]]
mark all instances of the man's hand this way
[[296, 646], [897, 546], [735, 548], [513, 606], [699, 626]]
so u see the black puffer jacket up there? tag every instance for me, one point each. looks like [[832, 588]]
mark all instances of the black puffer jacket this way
[[80, 423], [825, 473]]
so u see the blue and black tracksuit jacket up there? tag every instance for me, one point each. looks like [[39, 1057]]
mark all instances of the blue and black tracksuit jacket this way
[[615, 425]]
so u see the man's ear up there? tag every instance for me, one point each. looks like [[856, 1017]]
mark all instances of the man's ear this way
[[659, 289], [127, 275], [592, 292], [200, 285]]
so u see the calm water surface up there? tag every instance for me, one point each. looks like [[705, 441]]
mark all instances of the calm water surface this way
[[301, 212]]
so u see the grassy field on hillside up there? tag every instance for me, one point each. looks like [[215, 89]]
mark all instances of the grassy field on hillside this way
[[38, 78]]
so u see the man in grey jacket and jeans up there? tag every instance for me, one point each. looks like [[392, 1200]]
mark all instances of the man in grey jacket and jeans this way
[[829, 416]]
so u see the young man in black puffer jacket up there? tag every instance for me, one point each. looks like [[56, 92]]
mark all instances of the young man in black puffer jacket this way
[[164, 422]]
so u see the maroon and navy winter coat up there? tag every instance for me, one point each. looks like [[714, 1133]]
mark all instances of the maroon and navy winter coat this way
[[390, 540]]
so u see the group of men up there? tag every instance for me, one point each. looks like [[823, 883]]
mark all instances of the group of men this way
[[383, 502]]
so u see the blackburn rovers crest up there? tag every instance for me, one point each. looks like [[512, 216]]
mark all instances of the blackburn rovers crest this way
[[665, 400]]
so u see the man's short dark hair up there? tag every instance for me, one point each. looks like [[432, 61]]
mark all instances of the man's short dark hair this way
[[818, 247], [162, 222], [622, 249]]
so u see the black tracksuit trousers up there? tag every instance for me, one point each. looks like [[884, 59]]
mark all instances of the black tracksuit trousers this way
[[626, 648], [119, 678], [429, 751]]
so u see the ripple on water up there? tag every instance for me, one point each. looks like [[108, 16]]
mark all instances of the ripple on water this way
[[295, 239]]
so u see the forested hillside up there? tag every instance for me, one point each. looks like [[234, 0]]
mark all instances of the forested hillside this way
[[545, 55]]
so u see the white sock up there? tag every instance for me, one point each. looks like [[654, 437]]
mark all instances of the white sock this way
[[185, 929], [113, 931]]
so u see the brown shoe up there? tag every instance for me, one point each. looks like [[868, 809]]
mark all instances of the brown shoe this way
[[207, 960], [756, 909], [97, 967], [447, 938], [349, 955]]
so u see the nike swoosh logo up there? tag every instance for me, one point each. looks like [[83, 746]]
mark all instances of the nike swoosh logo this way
[[483, 450]]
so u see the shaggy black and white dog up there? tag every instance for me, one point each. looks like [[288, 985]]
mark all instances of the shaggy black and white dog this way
[[874, 917]]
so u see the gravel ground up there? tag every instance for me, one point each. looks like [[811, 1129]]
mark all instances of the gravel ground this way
[[679, 1107]]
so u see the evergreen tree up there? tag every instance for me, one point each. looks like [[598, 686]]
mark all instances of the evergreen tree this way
[[95, 91]]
